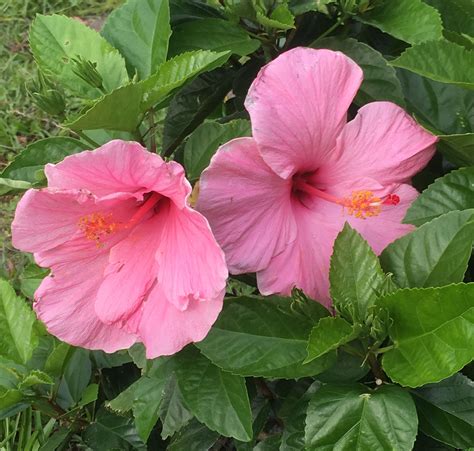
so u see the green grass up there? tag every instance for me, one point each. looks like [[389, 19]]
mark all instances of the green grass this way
[[21, 122]]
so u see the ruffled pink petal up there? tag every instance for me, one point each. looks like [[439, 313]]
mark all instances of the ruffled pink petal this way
[[382, 142], [247, 205], [190, 264], [166, 329], [119, 167], [298, 105], [65, 300], [47, 218], [305, 262]]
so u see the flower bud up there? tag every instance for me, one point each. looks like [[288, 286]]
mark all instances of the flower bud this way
[[51, 101], [87, 71]]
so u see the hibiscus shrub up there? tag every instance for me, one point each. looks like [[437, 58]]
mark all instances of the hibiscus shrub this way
[[229, 245]]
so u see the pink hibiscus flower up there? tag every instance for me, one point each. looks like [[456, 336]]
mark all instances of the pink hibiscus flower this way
[[277, 201], [130, 260]]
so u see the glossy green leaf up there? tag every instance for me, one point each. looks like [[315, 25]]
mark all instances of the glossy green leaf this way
[[212, 34], [58, 358], [110, 432], [454, 191], [446, 410], [329, 334], [256, 336], [458, 148], [174, 414], [140, 29], [18, 337], [436, 254], [445, 108], [380, 79], [412, 21], [356, 278], [30, 161], [206, 139], [123, 109], [432, 331], [217, 398], [56, 39], [347, 368], [193, 437], [439, 60], [355, 418]]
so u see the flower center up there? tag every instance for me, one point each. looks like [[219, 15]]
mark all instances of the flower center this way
[[98, 226], [361, 204]]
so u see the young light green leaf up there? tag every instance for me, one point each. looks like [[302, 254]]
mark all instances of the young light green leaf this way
[[436, 254], [9, 398], [412, 21], [439, 60], [281, 18], [432, 332], [35, 377], [140, 29], [217, 398], [211, 34], [18, 337], [256, 336], [380, 79], [356, 278], [445, 410], [330, 333], [55, 40], [206, 139], [26, 164], [355, 418], [454, 191]]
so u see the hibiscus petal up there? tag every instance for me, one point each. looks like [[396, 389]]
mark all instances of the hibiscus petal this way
[[65, 300], [304, 263], [247, 205], [190, 263], [298, 105], [382, 142], [119, 167], [165, 329]]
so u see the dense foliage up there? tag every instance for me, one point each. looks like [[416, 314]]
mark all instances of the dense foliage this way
[[390, 370]]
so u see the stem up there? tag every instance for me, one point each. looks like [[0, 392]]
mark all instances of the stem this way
[[151, 120], [376, 368], [385, 349], [329, 30], [87, 139]]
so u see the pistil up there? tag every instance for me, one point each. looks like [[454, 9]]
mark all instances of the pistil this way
[[361, 204]]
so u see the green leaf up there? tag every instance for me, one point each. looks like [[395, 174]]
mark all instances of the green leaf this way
[[35, 377], [281, 18], [217, 398], [76, 378], [110, 432], [140, 29], [56, 39], [457, 15], [447, 109], [458, 148], [7, 185], [380, 79], [18, 337], [206, 139], [123, 109], [348, 368], [355, 418], [356, 278], [263, 337], [432, 332], [173, 411], [409, 20], [454, 191], [193, 437], [31, 278], [436, 254], [57, 359], [89, 395], [9, 398], [330, 333], [446, 410], [439, 60], [211, 34], [30, 161]]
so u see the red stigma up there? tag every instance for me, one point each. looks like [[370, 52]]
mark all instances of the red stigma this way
[[391, 199]]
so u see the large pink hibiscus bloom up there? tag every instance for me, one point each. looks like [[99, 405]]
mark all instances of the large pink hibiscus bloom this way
[[277, 201], [130, 260]]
